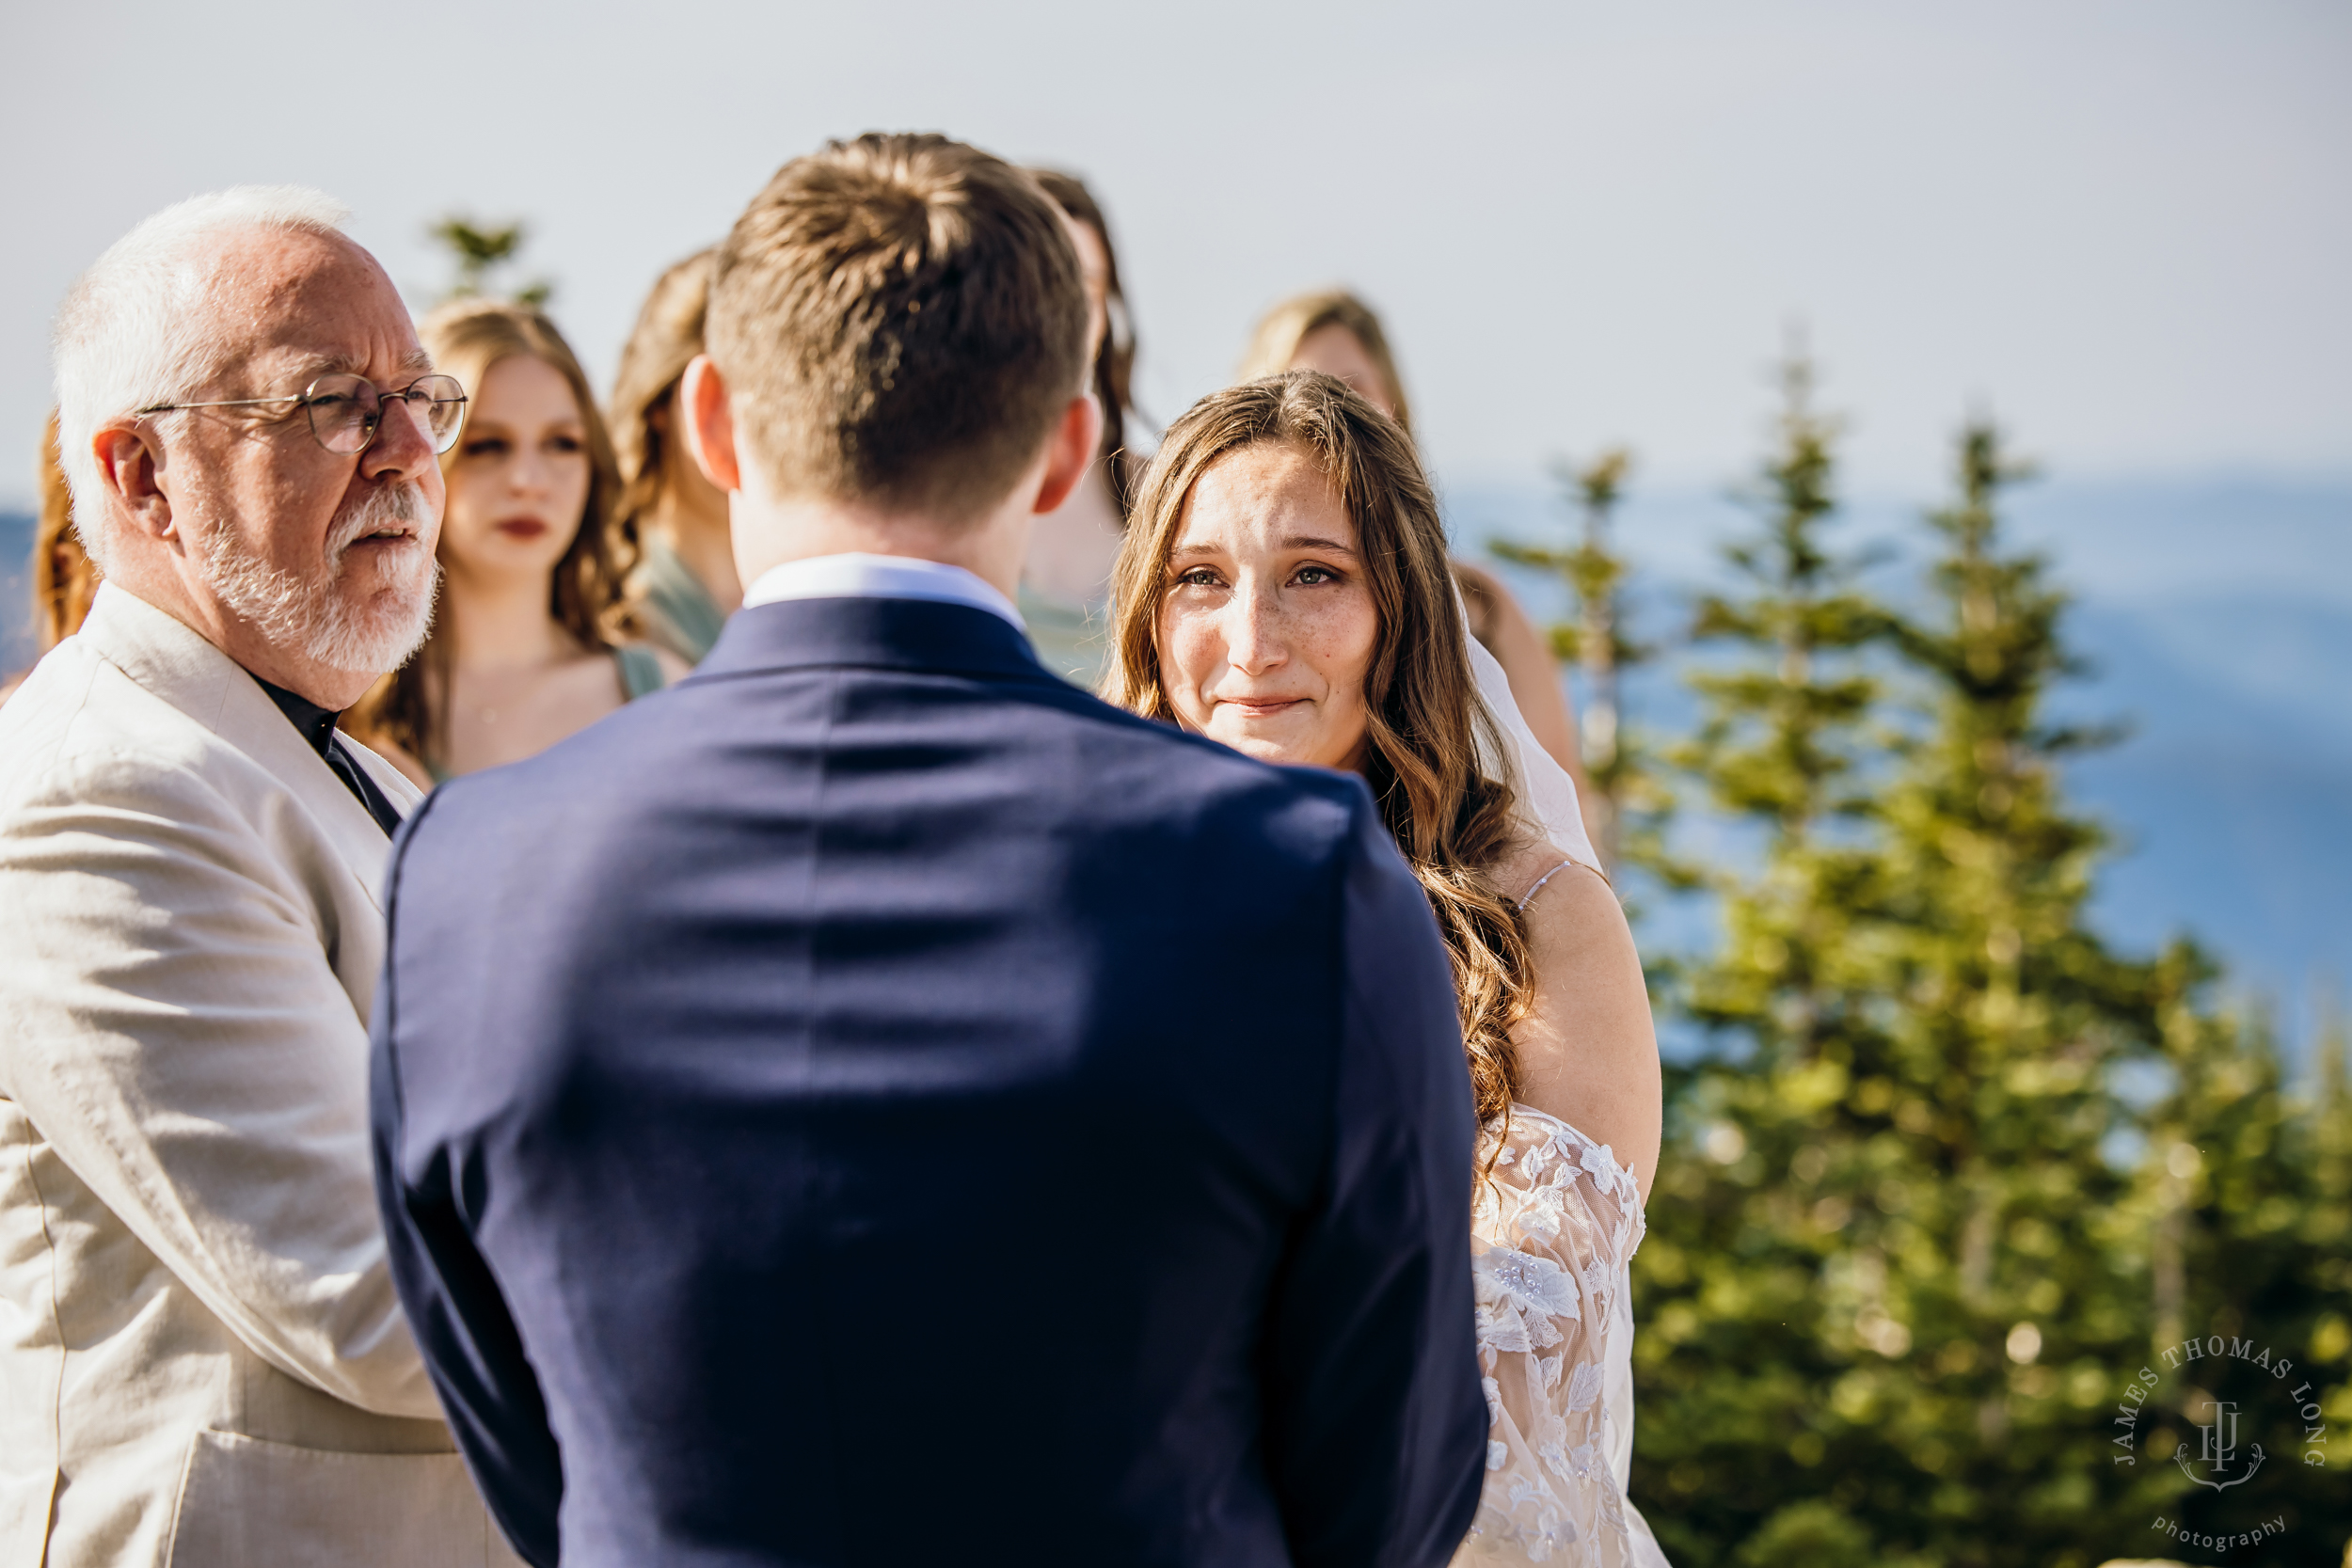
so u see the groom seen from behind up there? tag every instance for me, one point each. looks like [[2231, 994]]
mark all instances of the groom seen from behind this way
[[874, 1102]]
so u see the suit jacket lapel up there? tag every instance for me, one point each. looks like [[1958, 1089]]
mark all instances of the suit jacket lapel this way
[[176, 664]]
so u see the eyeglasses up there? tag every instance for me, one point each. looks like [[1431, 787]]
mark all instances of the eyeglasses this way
[[347, 412]]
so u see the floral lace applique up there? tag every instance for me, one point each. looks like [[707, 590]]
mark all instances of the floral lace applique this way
[[1553, 1229]]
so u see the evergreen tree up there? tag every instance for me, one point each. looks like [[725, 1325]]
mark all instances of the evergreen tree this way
[[2247, 1189], [2103, 1230], [1895, 1268], [1632, 803], [2015, 1028], [1751, 1292], [1784, 728]]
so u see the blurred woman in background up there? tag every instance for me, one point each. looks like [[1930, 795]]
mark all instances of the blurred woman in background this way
[[63, 579], [684, 586], [1065, 582], [1334, 332], [532, 640]]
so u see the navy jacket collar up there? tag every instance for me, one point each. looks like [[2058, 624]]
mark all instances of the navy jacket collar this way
[[874, 633]]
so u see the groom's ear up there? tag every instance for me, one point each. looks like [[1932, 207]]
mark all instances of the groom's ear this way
[[709, 423], [1070, 451]]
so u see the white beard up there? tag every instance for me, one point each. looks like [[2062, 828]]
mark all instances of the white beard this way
[[309, 616]]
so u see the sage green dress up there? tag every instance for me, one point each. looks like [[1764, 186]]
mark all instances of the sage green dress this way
[[641, 671]]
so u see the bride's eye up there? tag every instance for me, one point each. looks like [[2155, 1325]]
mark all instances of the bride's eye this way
[[1314, 576], [1198, 576]]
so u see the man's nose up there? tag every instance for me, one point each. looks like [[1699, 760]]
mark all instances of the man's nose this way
[[401, 448]]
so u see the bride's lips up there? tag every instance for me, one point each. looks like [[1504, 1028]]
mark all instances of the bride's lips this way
[[1260, 707], [520, 527]]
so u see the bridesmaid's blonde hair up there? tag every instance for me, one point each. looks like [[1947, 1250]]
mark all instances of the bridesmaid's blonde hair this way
[[1275, 343], [1428, 726]]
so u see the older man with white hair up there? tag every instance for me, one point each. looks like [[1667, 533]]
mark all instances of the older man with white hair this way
[[201, 1358]]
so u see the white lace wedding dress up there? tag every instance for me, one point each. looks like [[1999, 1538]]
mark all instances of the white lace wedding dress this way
[[1552, 1231]]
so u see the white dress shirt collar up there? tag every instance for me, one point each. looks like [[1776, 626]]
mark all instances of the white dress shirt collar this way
[[858, 576]]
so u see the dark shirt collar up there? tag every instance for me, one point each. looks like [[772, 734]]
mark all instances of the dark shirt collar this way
[[316, 724]]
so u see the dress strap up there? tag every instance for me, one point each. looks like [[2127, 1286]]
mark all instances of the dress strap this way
[[1540, 881]]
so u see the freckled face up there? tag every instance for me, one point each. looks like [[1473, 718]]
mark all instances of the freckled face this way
[[1267, 626]]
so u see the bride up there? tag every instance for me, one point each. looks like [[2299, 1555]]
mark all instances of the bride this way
[[1283, 588]]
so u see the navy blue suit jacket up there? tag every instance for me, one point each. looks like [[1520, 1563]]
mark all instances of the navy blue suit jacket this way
[[875, 1103]]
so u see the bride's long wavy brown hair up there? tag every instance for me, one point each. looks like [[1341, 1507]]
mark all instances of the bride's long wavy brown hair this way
[[1428, 727]]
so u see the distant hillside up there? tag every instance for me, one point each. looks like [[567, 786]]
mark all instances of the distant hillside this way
[[16, 603], [2216, 620], [2234, 795]]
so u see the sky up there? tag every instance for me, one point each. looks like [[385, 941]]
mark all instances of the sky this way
[[2126, 228]]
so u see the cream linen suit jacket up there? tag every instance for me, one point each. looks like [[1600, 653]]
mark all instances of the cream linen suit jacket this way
[[201, 1358]]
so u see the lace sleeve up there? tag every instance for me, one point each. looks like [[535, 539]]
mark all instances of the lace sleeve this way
[[1553, 1229]]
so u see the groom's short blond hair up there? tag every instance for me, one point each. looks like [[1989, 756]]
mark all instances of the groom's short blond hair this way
[[900, 320]]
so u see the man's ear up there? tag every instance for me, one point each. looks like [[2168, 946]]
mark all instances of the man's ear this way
[[129, 462], [710, 423], [1070, 451]]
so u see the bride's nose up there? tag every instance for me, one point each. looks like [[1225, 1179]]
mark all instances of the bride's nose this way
[[1253, 631]]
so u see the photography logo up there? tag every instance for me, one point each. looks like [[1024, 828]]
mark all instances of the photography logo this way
[[2217, 1453], [2264, 1398]]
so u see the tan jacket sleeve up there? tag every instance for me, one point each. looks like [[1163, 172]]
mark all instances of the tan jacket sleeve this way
[[171, 1021]]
